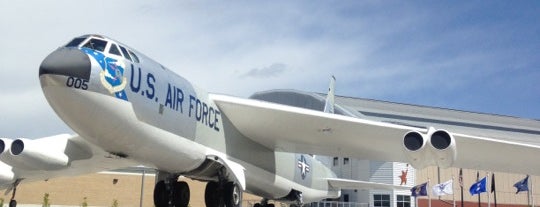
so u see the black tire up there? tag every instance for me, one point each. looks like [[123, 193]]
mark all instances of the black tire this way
[[212, 197], [232, 195], [258, 205], [161, 196], [181, 194], [13, 203], [271, 205]]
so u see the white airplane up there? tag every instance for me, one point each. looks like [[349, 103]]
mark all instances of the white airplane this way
[[129, 110]]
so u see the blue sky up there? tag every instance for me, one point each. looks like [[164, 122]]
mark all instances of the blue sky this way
[[481, 56]]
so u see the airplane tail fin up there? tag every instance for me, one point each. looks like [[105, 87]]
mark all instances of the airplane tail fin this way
[[329, 104]]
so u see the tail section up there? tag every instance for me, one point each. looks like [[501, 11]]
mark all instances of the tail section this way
[[329, 104]]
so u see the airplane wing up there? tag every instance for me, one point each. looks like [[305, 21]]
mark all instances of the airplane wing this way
[[51, 157], [292, 129], [339, 183]]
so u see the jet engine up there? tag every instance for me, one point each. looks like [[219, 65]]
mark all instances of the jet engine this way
[[415, 149], [40, 154], [6, 171], [438, 147], [5, 144], [443, 148]]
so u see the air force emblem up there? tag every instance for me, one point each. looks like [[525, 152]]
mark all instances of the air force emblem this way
[[112, 73], [304, 166]]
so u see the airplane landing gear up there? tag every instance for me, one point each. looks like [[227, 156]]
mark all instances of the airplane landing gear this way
[[171, 193], [222, 195], [299, 199], [264, 203], [12, 201]]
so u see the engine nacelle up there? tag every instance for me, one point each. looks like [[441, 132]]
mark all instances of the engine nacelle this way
[[39, 154], [438, 148], [415, 149], [443, 147], [5, 144], [6, 174], [6, 171]]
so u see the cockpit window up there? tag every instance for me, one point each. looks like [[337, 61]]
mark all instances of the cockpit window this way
[[135, 58], [75, 42], [125, 52], [96, 44], [114, 50]]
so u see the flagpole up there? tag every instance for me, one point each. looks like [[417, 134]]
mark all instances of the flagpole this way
[[493, 188], [478, 179], [453, 194], [532, 191], [488, 193], [461, 185], [428, 194], [528, 192]]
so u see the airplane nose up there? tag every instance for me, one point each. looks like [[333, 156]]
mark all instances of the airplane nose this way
[[67, 61]]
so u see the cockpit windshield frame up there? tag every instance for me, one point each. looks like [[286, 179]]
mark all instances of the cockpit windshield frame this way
[[75, 42], [101, 44], [96, 44], [125, 52]]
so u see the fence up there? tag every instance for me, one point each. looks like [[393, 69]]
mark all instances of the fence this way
[[318, 204]]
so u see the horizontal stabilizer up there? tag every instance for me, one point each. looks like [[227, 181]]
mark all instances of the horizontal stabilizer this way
[[339, 183]]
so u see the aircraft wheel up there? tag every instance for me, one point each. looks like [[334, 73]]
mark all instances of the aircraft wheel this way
[[161, 196], [13, 203], [258, 205], [232, 195], [270, 205], [212, 196], [180, 194]]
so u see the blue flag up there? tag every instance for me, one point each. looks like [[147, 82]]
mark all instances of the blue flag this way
[[522, 185], [479, 187], [419, 190]]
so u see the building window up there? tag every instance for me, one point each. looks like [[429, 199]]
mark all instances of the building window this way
[[403, 201], [346, 198], [335, 161], [381, 200], [345, 160]]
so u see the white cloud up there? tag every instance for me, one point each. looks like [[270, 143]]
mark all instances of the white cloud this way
[[273, 70]]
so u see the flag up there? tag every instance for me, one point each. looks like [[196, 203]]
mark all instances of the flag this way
[[445, 188], [493, 182], [522, 185], [478, 187], [419, 190]]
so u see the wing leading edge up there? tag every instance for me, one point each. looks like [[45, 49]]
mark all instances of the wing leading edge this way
[[298, 130], [82, 158]]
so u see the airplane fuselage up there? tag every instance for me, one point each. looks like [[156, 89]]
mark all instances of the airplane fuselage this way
[[133, 107]]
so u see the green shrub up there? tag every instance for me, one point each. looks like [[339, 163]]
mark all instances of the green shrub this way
[[46, 201], [84, 203], [115, 203]]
